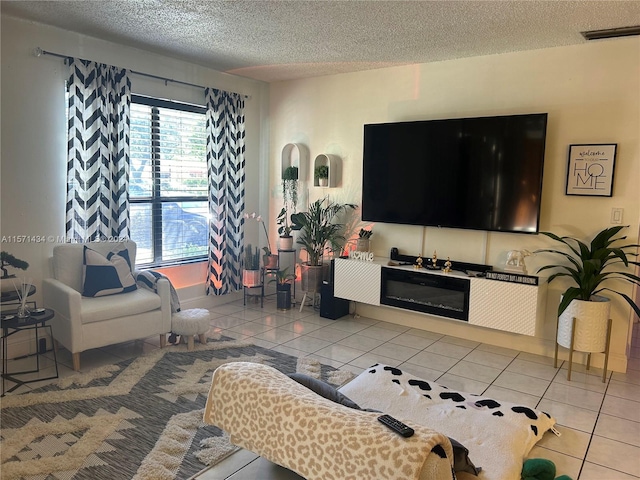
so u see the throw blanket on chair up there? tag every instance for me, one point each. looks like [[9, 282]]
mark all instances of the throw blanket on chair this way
[[148, 279], [272, 415]]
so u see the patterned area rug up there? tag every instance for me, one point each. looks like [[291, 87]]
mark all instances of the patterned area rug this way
[[138, 419]]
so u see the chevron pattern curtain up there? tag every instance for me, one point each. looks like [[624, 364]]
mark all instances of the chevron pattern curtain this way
[[98, 151], [225, 166]]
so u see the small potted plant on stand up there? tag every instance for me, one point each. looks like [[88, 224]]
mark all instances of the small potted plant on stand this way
[[251, 270], [322, 175], [364, 239], [581, 301], [270, 259], [283, 288], [285, 241]]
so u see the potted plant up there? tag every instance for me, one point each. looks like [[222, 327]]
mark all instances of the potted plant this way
[[283, 288], [270, 259], [251, 270], [290, 187], [8, 260], [318, 231], [590, 266], [285, 241], [322, 175], [364, 237]]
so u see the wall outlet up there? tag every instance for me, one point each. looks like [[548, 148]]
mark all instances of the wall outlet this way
[[616, 215]]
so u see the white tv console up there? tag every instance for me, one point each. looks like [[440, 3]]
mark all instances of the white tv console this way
[[511, 307]]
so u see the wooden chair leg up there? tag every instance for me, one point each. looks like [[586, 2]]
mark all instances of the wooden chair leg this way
[[203, 338], [190, 344], [76, 361], [555, 358], [163, 340], [588, 360]]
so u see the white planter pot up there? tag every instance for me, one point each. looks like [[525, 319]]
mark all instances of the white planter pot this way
[[591, 324], [251, 278], [311, 278], [285, 243], [323, 182]]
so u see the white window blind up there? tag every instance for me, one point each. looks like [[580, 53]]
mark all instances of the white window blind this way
[[168, 181]]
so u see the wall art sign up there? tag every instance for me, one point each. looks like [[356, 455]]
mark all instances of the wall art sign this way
[[364, 256], [590, 170]]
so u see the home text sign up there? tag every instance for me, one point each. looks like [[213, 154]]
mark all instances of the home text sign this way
[[590, 170], [365, 256]]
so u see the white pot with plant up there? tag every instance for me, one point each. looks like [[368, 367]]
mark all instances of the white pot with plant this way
[[251, 269], [322, 175], [285, 241], [590, 266]]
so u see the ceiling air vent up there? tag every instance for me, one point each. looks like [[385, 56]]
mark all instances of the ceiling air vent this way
[[611, 33]]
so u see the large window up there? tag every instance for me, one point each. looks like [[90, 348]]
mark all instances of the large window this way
[[168, 181]]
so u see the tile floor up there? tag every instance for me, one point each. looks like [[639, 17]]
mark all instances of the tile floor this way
[[600, 422]]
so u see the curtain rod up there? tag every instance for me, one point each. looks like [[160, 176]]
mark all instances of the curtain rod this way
[[39, 52]]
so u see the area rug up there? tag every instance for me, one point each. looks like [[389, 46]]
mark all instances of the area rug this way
[[137, 419]]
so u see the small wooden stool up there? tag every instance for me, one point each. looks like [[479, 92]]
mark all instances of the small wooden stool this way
[[189, 323]]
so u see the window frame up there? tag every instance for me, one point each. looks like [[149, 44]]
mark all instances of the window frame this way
[[156, 200]]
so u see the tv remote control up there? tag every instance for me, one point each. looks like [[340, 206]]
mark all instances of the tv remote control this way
[[396, 425]]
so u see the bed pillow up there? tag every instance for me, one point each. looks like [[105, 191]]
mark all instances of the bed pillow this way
[[108, 275]]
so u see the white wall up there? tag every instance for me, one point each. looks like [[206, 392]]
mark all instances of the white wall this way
[[33, 168], [591, 93]]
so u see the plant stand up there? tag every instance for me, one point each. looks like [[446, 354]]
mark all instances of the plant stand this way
[[311, 283], [312, 296], [287, 259], [251, 280], [571, 349]]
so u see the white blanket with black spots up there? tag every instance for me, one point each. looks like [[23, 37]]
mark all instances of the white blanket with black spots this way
[[498, 434]]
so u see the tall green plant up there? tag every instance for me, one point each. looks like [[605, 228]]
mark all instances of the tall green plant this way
[[588, 263], [318, 227]]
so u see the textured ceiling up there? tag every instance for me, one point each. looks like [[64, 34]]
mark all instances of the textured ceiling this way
[[280, 40]]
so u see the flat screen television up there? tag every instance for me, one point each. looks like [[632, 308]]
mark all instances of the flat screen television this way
[[473, 173]]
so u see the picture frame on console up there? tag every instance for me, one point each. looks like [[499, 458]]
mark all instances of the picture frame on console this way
[[590, 169]]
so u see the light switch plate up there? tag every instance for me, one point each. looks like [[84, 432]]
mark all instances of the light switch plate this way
[[616, 215]]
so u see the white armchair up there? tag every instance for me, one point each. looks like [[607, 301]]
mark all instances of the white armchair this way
[[82, 323]]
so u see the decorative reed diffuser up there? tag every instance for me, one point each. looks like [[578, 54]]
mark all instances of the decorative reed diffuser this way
[[23, 292]]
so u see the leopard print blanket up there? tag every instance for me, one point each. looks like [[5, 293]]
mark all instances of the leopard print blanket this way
[[270, 414]]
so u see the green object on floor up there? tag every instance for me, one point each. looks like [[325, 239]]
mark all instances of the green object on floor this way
[[540, 469]]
